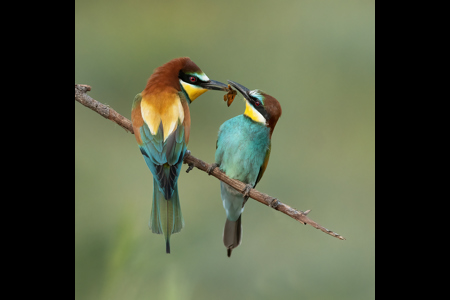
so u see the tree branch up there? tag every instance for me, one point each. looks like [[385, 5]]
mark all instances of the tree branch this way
[[102, 109], [111, 114]]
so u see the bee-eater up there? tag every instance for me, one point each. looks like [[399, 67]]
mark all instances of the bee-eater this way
[[161, 123], [242, 152]]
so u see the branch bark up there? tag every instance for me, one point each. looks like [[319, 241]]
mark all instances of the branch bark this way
[[109, 113], [102, 109]]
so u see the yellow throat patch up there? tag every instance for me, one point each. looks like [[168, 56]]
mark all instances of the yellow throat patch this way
[[253, 114], [192, 90]]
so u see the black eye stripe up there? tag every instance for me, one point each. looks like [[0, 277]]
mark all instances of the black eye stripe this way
[[255, 100], [187, 78], [259, 107]]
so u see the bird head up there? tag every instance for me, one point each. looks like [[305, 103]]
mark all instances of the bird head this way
[[182, 74], [195, 82], [260, 107]]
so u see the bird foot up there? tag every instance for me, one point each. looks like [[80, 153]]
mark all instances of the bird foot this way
[[211, 168], [191, 166], [247, 189], [246, 193]]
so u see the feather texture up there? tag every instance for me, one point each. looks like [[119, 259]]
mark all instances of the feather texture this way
[[243, 150], [163, 155], [166, 217], [242, 146], [161, 122]]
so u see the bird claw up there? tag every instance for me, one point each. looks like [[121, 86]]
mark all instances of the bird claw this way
[[191, 166], [246, 193], [247, 189], [211, 168]]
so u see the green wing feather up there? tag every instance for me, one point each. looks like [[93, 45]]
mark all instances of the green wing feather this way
[[264, 165], [164, 159]]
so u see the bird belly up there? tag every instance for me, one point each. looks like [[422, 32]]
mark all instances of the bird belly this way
[[232, 201]]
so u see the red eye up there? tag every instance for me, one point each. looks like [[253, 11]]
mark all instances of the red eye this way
[[257, 103], [193, 79]]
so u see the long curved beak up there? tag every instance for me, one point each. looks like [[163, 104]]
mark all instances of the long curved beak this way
[[242, 89], [214, 85]]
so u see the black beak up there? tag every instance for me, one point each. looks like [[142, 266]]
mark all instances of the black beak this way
[[242, 89], [214, 85]]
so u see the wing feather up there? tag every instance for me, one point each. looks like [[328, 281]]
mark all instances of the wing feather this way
[[163, 150], [263, 166]]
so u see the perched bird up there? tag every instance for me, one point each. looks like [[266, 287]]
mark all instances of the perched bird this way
[[161, 123], [242, 152]]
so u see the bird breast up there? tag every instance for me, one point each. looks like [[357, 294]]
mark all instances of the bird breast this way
[[165, 107], [241, 148]]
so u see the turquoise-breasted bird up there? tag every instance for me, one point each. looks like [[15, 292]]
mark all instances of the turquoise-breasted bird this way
[[242, 152], [161, 123]]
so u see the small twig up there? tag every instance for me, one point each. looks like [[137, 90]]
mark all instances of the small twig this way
[[102, 109], [111, 114]]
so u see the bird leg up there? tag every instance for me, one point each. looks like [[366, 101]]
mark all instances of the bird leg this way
[[246, 193], [191, 165], [211, 168]]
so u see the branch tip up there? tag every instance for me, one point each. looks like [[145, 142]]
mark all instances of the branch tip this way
[[84, 87]]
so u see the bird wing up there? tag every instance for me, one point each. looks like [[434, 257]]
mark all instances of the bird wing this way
[[263, 166], [163, 151]]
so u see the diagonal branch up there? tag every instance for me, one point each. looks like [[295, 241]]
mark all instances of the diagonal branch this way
[[111, 114], [102, 109]]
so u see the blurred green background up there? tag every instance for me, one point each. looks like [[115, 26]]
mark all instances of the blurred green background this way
[[318, 59]]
